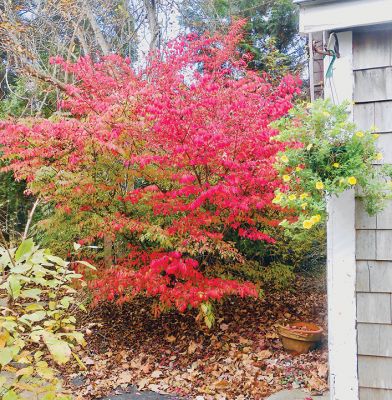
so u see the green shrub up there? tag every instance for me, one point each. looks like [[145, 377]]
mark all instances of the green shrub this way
[[37, 322], [278, 276]]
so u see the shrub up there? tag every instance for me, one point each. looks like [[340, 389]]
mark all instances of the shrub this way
[[161, 165], [279, 276], [37, 322]]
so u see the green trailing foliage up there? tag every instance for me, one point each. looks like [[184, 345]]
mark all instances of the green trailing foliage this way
[[333, 156], [37, 321]]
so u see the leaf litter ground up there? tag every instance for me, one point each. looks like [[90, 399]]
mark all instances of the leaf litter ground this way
[[241, 357]]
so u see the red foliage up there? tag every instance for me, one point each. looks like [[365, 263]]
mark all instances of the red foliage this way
[[171, 158]]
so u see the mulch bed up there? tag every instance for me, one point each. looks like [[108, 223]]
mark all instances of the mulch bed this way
[[241, 357]]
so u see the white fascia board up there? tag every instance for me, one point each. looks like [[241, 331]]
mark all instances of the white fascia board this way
[[344, 14]]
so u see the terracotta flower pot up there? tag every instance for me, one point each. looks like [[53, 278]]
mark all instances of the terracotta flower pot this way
[[300, 337]]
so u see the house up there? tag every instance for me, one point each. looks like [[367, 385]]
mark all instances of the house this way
[[350, 52]]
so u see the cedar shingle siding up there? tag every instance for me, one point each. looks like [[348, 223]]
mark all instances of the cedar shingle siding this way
[[372, 64]]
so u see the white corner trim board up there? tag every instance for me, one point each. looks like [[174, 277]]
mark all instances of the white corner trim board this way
[[340, 87], [341, 272], [344, 14], [341, 268]]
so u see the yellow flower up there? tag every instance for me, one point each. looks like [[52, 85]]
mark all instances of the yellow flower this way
[[304, 205], [292, 197], [359, 134], [319, 185], [298, 169], [376, 135], [307, 224], [379, 156], [278, 198], [304, 196], [341, 181], [352, 180], [309, 146], [336, 165], [284, 158], [286, 178], [316, 218]]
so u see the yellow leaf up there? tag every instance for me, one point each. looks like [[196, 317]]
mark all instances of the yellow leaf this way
[[170, 339], [25, 371], [4, 336]]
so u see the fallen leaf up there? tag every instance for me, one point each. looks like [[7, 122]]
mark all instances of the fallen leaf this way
[[154, 388], [317, 384], [124, 377], [192, 347], [88, 361], [142, 383], [156, 374], [322, 370], [264, 354], [146, 368], [170, 339], [272, 335], [221, 384]]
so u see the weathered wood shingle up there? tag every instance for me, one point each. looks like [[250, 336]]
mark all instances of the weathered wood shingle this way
[[375, 340], [363, 277], [371, 50], [380, 276], [382, 116], [375, 372], [375, 394], [374, 308], [384, 245], [364, 115], [384, 218], [366, 244], [362, 219], [373, 85]]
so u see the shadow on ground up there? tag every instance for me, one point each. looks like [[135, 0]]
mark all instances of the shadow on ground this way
[[134, 394]]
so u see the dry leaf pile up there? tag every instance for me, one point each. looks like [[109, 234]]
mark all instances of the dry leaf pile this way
[[241, 357]]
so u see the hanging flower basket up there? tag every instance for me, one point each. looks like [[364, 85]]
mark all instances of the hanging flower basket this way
[[300, 337]]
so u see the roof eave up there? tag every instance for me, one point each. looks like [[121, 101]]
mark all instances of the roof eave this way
[[328, 15]]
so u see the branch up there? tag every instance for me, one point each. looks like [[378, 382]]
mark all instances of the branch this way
[[97, 31], [31, 214]]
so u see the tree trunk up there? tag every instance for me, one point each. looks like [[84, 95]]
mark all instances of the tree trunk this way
[[97, 31], [152, 18], [107, 251]]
